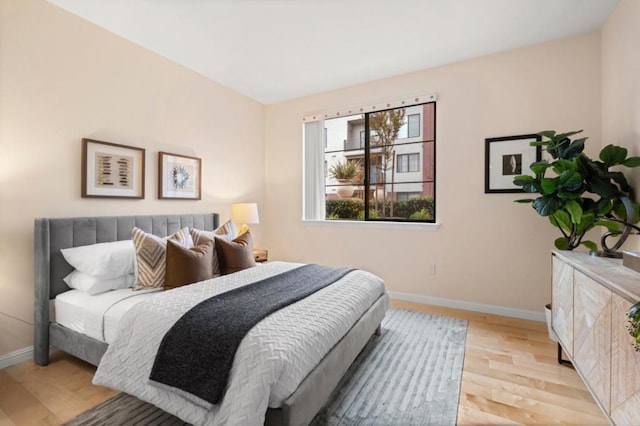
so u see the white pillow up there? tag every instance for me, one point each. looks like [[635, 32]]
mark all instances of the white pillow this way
[[92, 285], [102, 260]]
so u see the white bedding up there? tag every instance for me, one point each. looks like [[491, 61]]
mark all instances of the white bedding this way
[[271, 361], [98, 315]]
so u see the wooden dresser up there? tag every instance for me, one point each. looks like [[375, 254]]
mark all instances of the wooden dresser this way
[[590, 299]]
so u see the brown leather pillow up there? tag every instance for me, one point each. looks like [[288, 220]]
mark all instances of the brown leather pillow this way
[[235, 255], [188, 265]]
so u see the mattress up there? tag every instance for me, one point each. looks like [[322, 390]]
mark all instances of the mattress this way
[[271, 361], [97, 316]]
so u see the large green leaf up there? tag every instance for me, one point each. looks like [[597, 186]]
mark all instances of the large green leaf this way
[[561, 146], [539, 167], [612, 155], [570, 180], [548, 185], [587, 167], [546, 205], [575, 211], [528, 183], [603, 188], [566, 135], [562, 220], [574, 149], [602, 207], [522, 180], [590, 245], [587, 222], [632, 162], [561, 166], [561, 243], [620, 209], [610, 225]]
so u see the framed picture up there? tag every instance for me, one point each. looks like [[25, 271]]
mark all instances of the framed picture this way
[[506, 158], [110, 170], [179, 177]]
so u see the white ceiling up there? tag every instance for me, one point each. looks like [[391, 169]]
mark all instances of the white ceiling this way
[[273, 50]]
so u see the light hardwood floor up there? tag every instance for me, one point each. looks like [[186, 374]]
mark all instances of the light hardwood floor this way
[[510, 376]]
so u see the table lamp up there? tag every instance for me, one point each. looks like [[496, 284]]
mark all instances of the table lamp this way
[[244, 213]]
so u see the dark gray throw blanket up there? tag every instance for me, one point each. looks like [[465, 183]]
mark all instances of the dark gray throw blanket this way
[[197, 352]]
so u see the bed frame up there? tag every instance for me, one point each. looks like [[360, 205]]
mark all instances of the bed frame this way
[[52, 235]]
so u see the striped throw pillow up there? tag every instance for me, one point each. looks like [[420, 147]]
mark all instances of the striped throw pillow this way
[[151, 256]]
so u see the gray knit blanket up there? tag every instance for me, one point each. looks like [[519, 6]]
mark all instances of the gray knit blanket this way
[[197, 352]]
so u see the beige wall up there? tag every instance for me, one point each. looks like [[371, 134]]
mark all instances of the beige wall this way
[[621, 85], [62, 79], [488, 249]]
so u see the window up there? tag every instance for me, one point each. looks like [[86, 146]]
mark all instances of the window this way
[[373, 179], [413, 126], [408, 163]]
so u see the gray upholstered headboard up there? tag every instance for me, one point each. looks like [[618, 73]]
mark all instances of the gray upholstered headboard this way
[[52, 235]]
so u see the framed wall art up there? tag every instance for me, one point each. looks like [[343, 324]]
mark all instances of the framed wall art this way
[[179, 177], [507, 157], [110, 170]]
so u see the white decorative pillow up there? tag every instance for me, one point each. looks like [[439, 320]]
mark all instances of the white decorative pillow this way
[[92, 285], [102, 260], [151, 256]]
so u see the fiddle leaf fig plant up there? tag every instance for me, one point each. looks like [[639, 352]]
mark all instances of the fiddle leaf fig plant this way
[[577, 193], [634, 325]]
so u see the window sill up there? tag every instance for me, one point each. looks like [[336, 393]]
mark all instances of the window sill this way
[[374, 224]]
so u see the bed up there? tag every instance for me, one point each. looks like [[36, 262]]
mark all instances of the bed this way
[[52, 235]]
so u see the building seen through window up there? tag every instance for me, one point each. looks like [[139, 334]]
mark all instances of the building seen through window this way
[[381, 165]]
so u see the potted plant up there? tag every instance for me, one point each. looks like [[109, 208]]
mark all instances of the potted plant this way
[[345, 172], [634, 325], [577, 193]]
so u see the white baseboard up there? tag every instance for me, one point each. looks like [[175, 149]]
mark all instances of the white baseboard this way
[[16, 357], [470, 306]]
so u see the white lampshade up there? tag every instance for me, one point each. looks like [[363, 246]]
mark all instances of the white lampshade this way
[[245, 213]]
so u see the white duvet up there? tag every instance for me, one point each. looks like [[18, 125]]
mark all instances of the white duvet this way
[[271, 361]]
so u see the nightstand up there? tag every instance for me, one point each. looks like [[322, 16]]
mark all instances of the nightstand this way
[[260, 255]]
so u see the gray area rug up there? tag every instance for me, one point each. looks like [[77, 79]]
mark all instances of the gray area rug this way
[[410, 375]]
